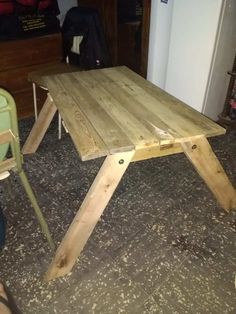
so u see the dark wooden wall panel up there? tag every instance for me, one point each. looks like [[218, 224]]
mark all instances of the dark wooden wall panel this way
[[145, 36], [18, 58]]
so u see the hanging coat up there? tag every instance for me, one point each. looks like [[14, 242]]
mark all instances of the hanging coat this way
[[93, 53]]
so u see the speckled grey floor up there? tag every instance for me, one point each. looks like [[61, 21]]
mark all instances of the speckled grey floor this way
[[163, 244]]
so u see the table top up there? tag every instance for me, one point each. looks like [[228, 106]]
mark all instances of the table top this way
[[38, 76], [115, 110]]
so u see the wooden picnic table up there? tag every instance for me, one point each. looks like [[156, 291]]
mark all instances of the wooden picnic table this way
[[116, 113]]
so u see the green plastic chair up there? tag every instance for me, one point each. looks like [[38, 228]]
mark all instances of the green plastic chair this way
[[9, 138]]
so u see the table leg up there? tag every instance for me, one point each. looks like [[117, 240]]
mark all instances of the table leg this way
[[40, 127], [89, 213], [200, 153]]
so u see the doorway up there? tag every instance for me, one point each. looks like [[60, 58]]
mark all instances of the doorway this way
[[126, 26]]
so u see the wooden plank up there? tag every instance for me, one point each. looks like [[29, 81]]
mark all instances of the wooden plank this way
[[207, 126], [202, 157], [90, 211], [5, 137], [7, 164], [146, 108], [112, 135], [86, 140], [135, 108], [138, 134], [157, 151], [176, 122], [40, 127]]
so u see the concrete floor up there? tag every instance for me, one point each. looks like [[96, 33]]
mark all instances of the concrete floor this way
[[163, 244]]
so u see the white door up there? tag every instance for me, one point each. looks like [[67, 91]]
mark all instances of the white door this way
[[192, 42], [222, 62]]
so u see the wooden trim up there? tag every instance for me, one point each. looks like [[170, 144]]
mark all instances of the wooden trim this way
[[5, 137], [157, 151], [145, 37], [7, 164], [109, 9]]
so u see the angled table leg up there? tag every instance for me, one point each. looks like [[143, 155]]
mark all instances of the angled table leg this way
[[40, 127], [89, 213], [200, 153]]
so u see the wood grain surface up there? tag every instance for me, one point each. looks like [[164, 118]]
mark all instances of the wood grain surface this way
[[115, 110]]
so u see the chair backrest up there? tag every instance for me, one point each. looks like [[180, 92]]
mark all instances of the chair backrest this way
[[8, 123], [9, 134]]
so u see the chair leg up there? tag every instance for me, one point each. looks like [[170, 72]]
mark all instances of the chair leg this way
[[36, 111], [64, 126], [35, 102], [59, 126], [37, 210]]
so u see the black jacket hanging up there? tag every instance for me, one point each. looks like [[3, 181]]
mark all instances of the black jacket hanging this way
[[85, 22]]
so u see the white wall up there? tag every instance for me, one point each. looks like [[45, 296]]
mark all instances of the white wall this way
[[160, 27], [64, 6], [192, 43], [222, 62]]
